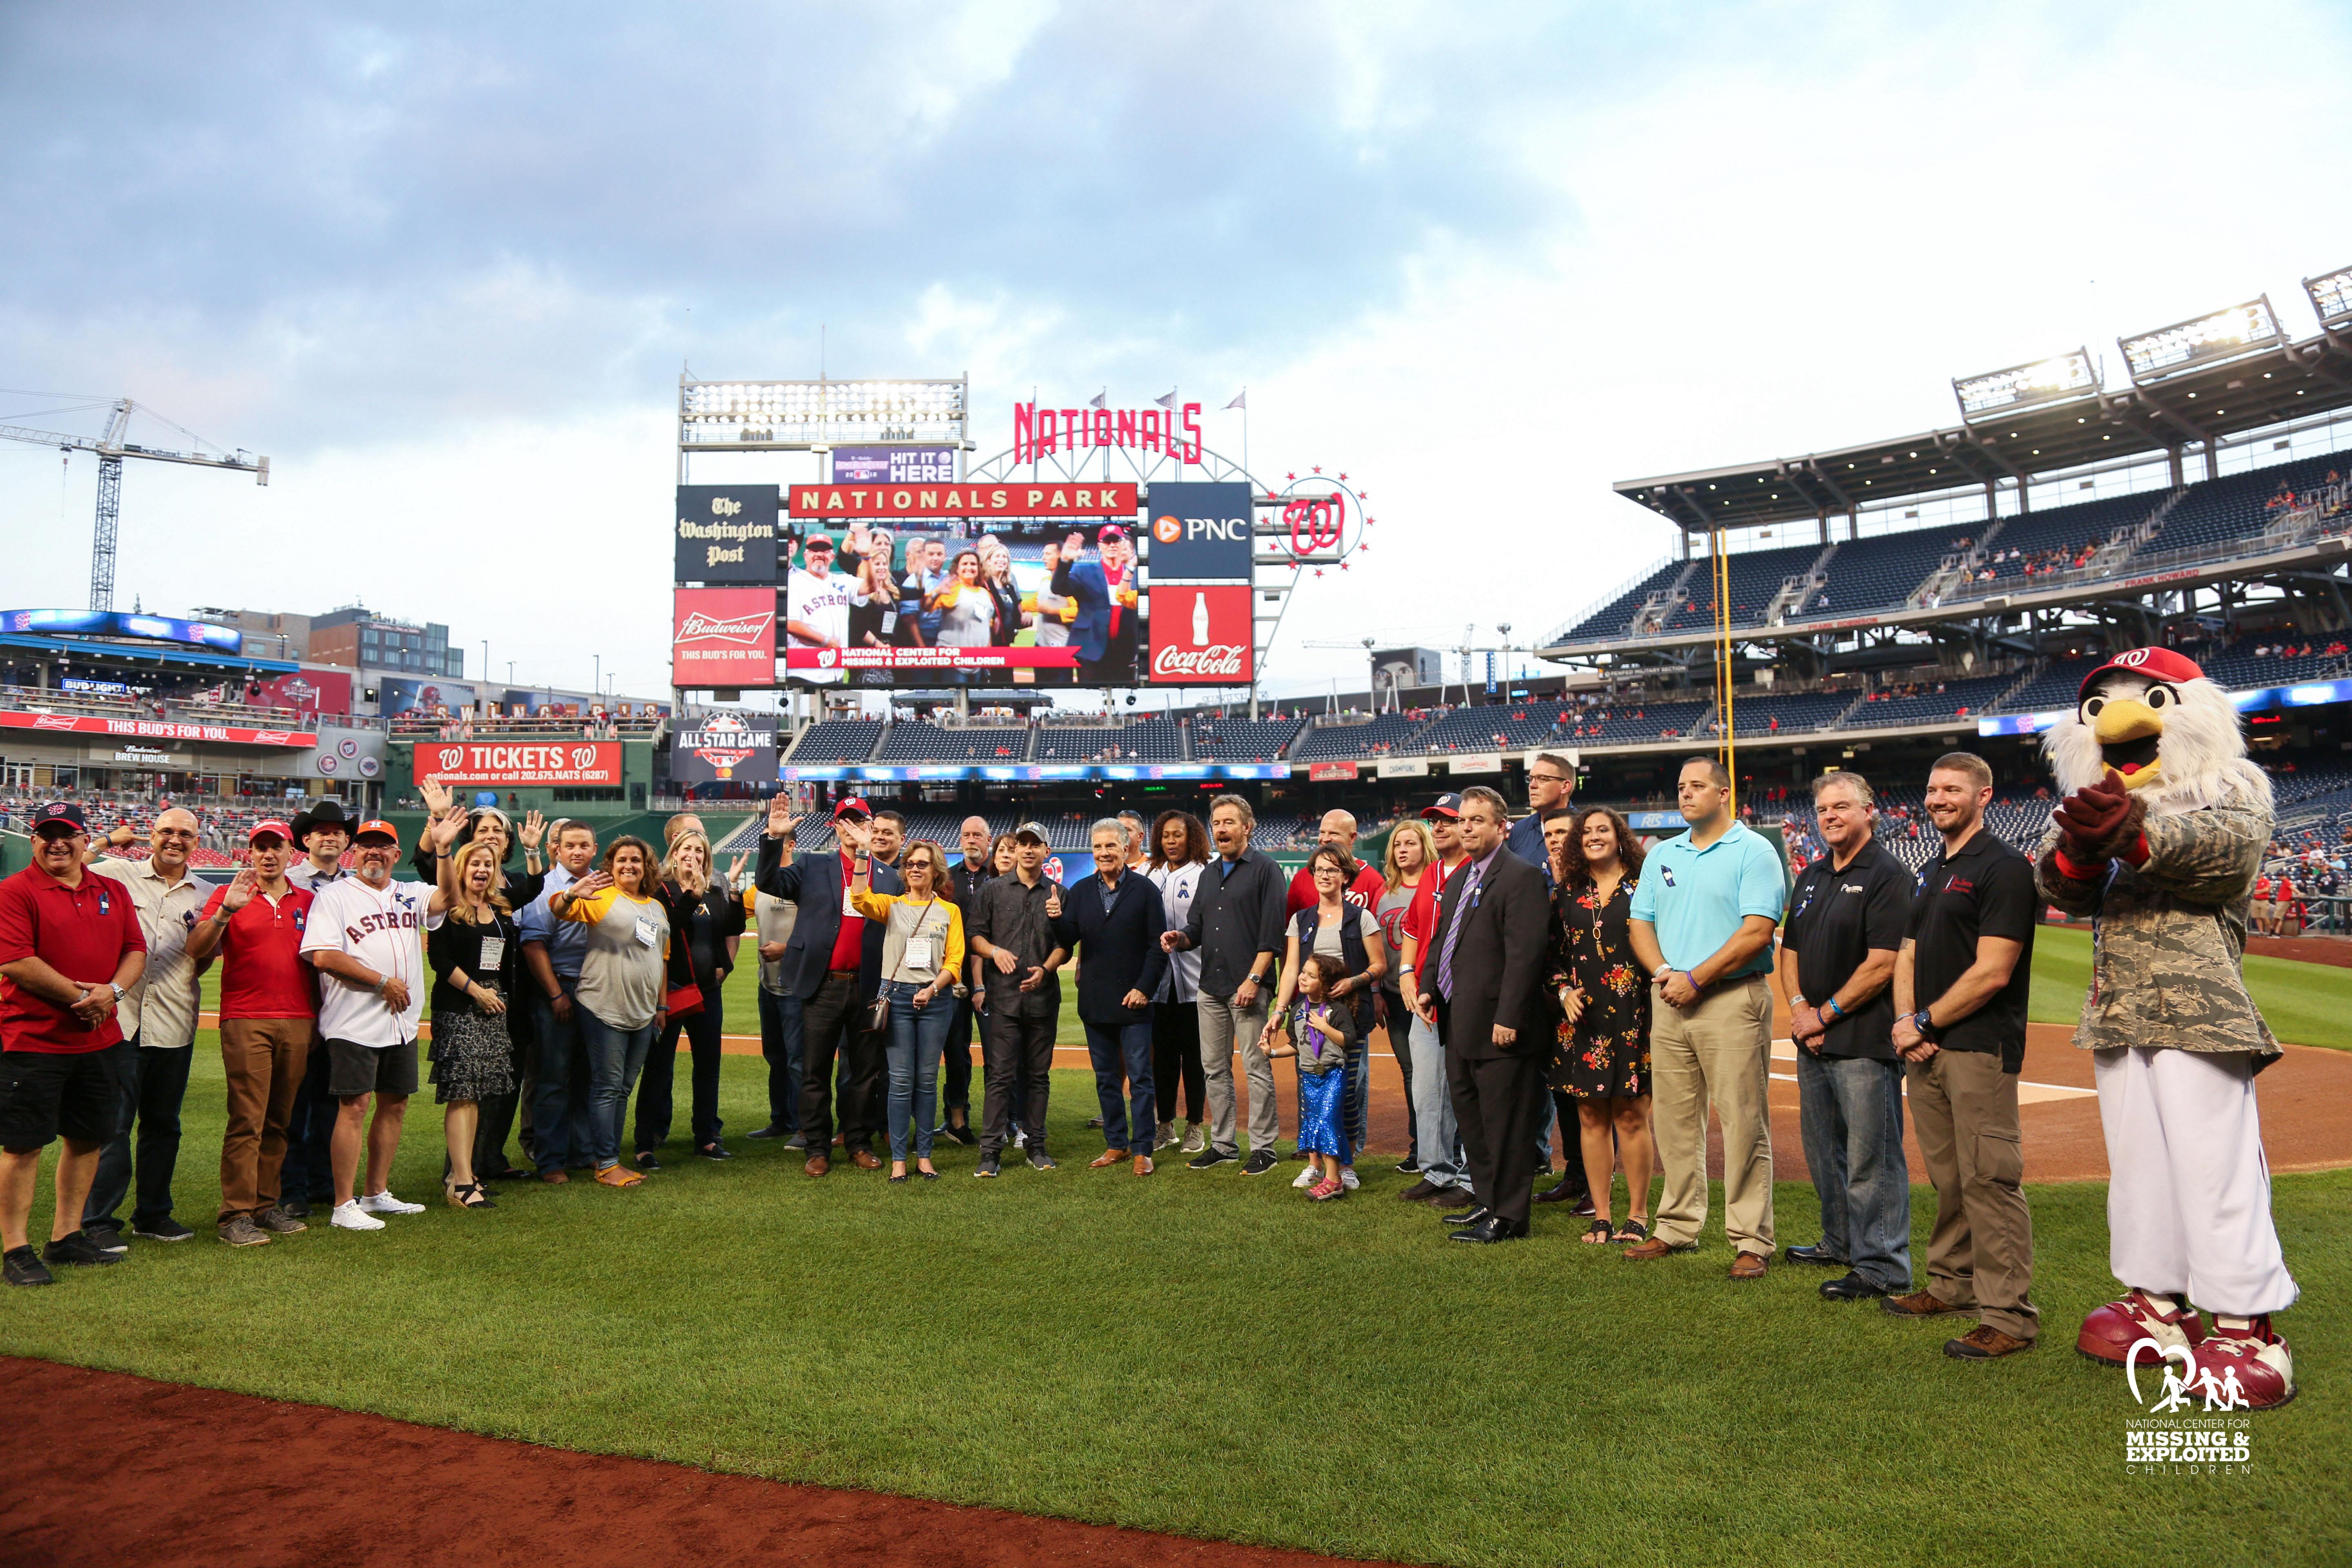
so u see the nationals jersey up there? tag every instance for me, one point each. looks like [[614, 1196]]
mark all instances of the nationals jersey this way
[[384, 931]]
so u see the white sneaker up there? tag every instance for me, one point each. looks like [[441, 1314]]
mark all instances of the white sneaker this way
[[1348, 1181], [350, 1217], [384, 1203], [1020, 1139], [1306, 1178]]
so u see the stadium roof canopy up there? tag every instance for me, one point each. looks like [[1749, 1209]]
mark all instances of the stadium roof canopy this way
[[2193, 382]]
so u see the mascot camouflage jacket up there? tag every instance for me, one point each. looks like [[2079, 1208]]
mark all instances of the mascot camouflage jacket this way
[[2169, 934]]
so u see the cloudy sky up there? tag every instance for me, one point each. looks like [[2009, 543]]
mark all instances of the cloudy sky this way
[[442, 263]]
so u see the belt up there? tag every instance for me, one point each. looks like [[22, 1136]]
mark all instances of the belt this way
[[839, 973]]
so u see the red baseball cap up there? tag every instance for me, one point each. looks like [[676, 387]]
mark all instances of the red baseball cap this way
[[852, 805], [2155, 663], [272, 826]]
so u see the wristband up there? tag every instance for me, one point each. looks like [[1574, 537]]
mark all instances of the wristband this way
[[1832, 1011], [1662, 972], [1797, 1002]]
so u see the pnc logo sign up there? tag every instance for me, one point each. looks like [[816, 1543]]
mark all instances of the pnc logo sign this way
[[1201, 532], [1166, 529]]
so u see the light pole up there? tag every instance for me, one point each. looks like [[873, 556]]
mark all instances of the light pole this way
[[598, 683]]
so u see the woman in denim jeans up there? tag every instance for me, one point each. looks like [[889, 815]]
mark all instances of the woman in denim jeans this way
[[922, 952], [623, 984]]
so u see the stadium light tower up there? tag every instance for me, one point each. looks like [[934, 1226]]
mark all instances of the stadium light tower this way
[[2223, 334], [2331, 295], [815, 415], [2067, 376]]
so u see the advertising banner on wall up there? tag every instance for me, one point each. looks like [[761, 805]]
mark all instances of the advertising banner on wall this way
[[503, 763], [713, 746], [154, 728], [841, 503], [427, 698], [726, 533], [1200, 533], [1201, 635], [723, 637], [347, 754], [1329, 772], [894, 465], [1475, 763], [1404, 767], [309, 692]]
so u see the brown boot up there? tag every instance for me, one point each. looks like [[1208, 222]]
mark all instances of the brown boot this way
[[1919, 1304], [1984, 1342]]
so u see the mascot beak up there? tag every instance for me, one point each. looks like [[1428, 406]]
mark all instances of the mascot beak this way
[[2129, 732]]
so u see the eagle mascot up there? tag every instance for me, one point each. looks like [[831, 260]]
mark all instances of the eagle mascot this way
[[2158, 840]]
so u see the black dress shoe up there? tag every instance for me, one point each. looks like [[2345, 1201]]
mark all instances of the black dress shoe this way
[[1817, 1254], [770, 1131], [1421, 1191], [1569, 1191], [1469, 1216], [1492, 1228], [1851, 1287]]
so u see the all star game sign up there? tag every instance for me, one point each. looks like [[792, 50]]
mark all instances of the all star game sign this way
[[710, 747]]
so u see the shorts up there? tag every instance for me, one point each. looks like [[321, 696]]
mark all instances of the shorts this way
[[353, 1069], [2260, 910], [49, 1095]]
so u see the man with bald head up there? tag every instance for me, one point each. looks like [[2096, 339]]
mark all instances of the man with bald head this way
[[1365, 887], [159, 1018]]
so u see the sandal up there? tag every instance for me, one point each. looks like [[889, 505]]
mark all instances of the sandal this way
[[1631, 1230], [1599, 1232], [469, 1196], [925, 1171]]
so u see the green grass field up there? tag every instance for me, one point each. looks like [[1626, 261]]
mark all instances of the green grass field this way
[[1209, 1353], [2303, 1002]]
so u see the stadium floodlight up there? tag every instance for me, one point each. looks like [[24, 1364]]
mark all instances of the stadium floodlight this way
[[2331, 294], [2044, 381], [2220, 335], [797, 416]]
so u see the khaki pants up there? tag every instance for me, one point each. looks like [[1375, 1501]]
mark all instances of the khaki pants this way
[[264, 1058], [1717, 1052], [1981, 1255]]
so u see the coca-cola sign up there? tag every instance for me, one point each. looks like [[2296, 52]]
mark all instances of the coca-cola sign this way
[[724, 637], [1201, 635]]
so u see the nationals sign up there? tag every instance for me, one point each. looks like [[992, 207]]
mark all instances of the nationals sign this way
[[502, 762], [155, 729], [1201, 635], [723, 637], [984, 499]]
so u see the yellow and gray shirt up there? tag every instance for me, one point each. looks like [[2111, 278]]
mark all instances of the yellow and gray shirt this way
[[624, 971]]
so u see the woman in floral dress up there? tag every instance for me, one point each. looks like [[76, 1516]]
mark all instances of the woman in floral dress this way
[[1600, 1065]]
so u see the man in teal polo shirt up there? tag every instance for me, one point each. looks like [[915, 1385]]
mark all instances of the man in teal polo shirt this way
[[1702, 924]]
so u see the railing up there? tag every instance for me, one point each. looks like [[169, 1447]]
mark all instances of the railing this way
[[1611, 597]]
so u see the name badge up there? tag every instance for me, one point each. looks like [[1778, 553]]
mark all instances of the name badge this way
[[922, 952], [494, 953], [648, 933], [889, 622]]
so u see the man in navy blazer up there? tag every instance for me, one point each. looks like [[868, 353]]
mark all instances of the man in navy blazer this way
[[1114, 920], [1108, 622], [832, 962]]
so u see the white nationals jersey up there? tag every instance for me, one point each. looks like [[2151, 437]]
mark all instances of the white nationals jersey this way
[[385, 932]]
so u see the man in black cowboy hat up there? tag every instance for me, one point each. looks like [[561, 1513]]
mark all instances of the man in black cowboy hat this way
[[322, 832]]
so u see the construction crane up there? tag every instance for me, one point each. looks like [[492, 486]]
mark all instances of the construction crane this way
[[111, 448]]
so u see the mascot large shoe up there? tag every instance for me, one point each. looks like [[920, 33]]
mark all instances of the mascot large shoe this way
[[2159, 839]]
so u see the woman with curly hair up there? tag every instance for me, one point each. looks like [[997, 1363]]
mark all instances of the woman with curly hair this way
[[1601, 1064]]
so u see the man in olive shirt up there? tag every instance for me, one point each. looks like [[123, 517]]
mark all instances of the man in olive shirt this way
[[1012, 932], [1960, 987], [1846, 917]]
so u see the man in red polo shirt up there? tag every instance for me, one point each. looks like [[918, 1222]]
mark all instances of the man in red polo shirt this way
[[1365, 888], [269, 1010], [69, 948]]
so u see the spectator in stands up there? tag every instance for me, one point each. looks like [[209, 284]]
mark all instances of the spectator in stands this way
[[771, 922], [1701, 924], [832, 962], [1105, 627], [1847, 914], [922, 956], [70, 949], [476, 954], [1180, 851], [1237, 925], [1112, 922], [1014, 935], [159, 1016], [1347, 932], [552, 952], [1601, 1066], [705, 926], [1364, 887]]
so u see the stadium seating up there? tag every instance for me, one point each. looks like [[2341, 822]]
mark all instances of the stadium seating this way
[[1756, 578], [2239, 507], [1389, 732], [2056, 686], [1611, 619], [920, 741], [1489, 728], [2237, 665], [1957, 700], [2054, 540], [1242, 740], [1146, 740], [838, 741], [1760, 714], [1879, 573], [1627, 722]]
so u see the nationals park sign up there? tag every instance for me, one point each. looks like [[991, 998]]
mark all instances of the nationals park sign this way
[[502, 762]]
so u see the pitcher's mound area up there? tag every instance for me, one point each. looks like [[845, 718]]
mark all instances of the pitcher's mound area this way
[[123, 1472]]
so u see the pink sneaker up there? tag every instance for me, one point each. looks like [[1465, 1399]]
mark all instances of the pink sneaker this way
[[1325, 1191]]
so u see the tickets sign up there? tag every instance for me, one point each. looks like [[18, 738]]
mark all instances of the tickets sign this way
[[499, 763], [827, 503]]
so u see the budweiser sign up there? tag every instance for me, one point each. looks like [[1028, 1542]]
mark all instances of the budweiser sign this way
[[724, 637], [1201, 635], [157, 729]]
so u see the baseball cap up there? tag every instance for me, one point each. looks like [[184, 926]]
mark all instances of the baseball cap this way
[[2155, 663], [817, 542], [852, 805], [1031, 830], [63, 811], [1110, 530], [1443, 806], [375, 827], [272, 826]]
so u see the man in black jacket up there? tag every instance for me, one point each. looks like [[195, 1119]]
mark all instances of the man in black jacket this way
[[832, 962], [1113, 920], [1012, 933], [1486, 981]]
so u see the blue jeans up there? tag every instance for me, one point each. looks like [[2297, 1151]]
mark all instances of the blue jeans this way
[[1850, 1109], [1124, 1050], [779, 1042], [157, 1082], [916, 1036], [1356, 1096], [560, 1131], [616, 1057], [1436, 1134]]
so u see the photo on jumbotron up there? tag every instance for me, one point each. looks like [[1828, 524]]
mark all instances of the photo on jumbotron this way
[[1376, 814]]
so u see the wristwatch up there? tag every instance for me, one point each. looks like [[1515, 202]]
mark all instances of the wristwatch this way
[[1926, 1028], [120, 992]]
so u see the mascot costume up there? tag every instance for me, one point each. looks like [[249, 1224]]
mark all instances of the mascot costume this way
[[2159, 839]]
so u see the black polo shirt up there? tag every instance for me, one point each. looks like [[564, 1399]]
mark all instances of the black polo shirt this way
[[1984, 890], [1836, 917]]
